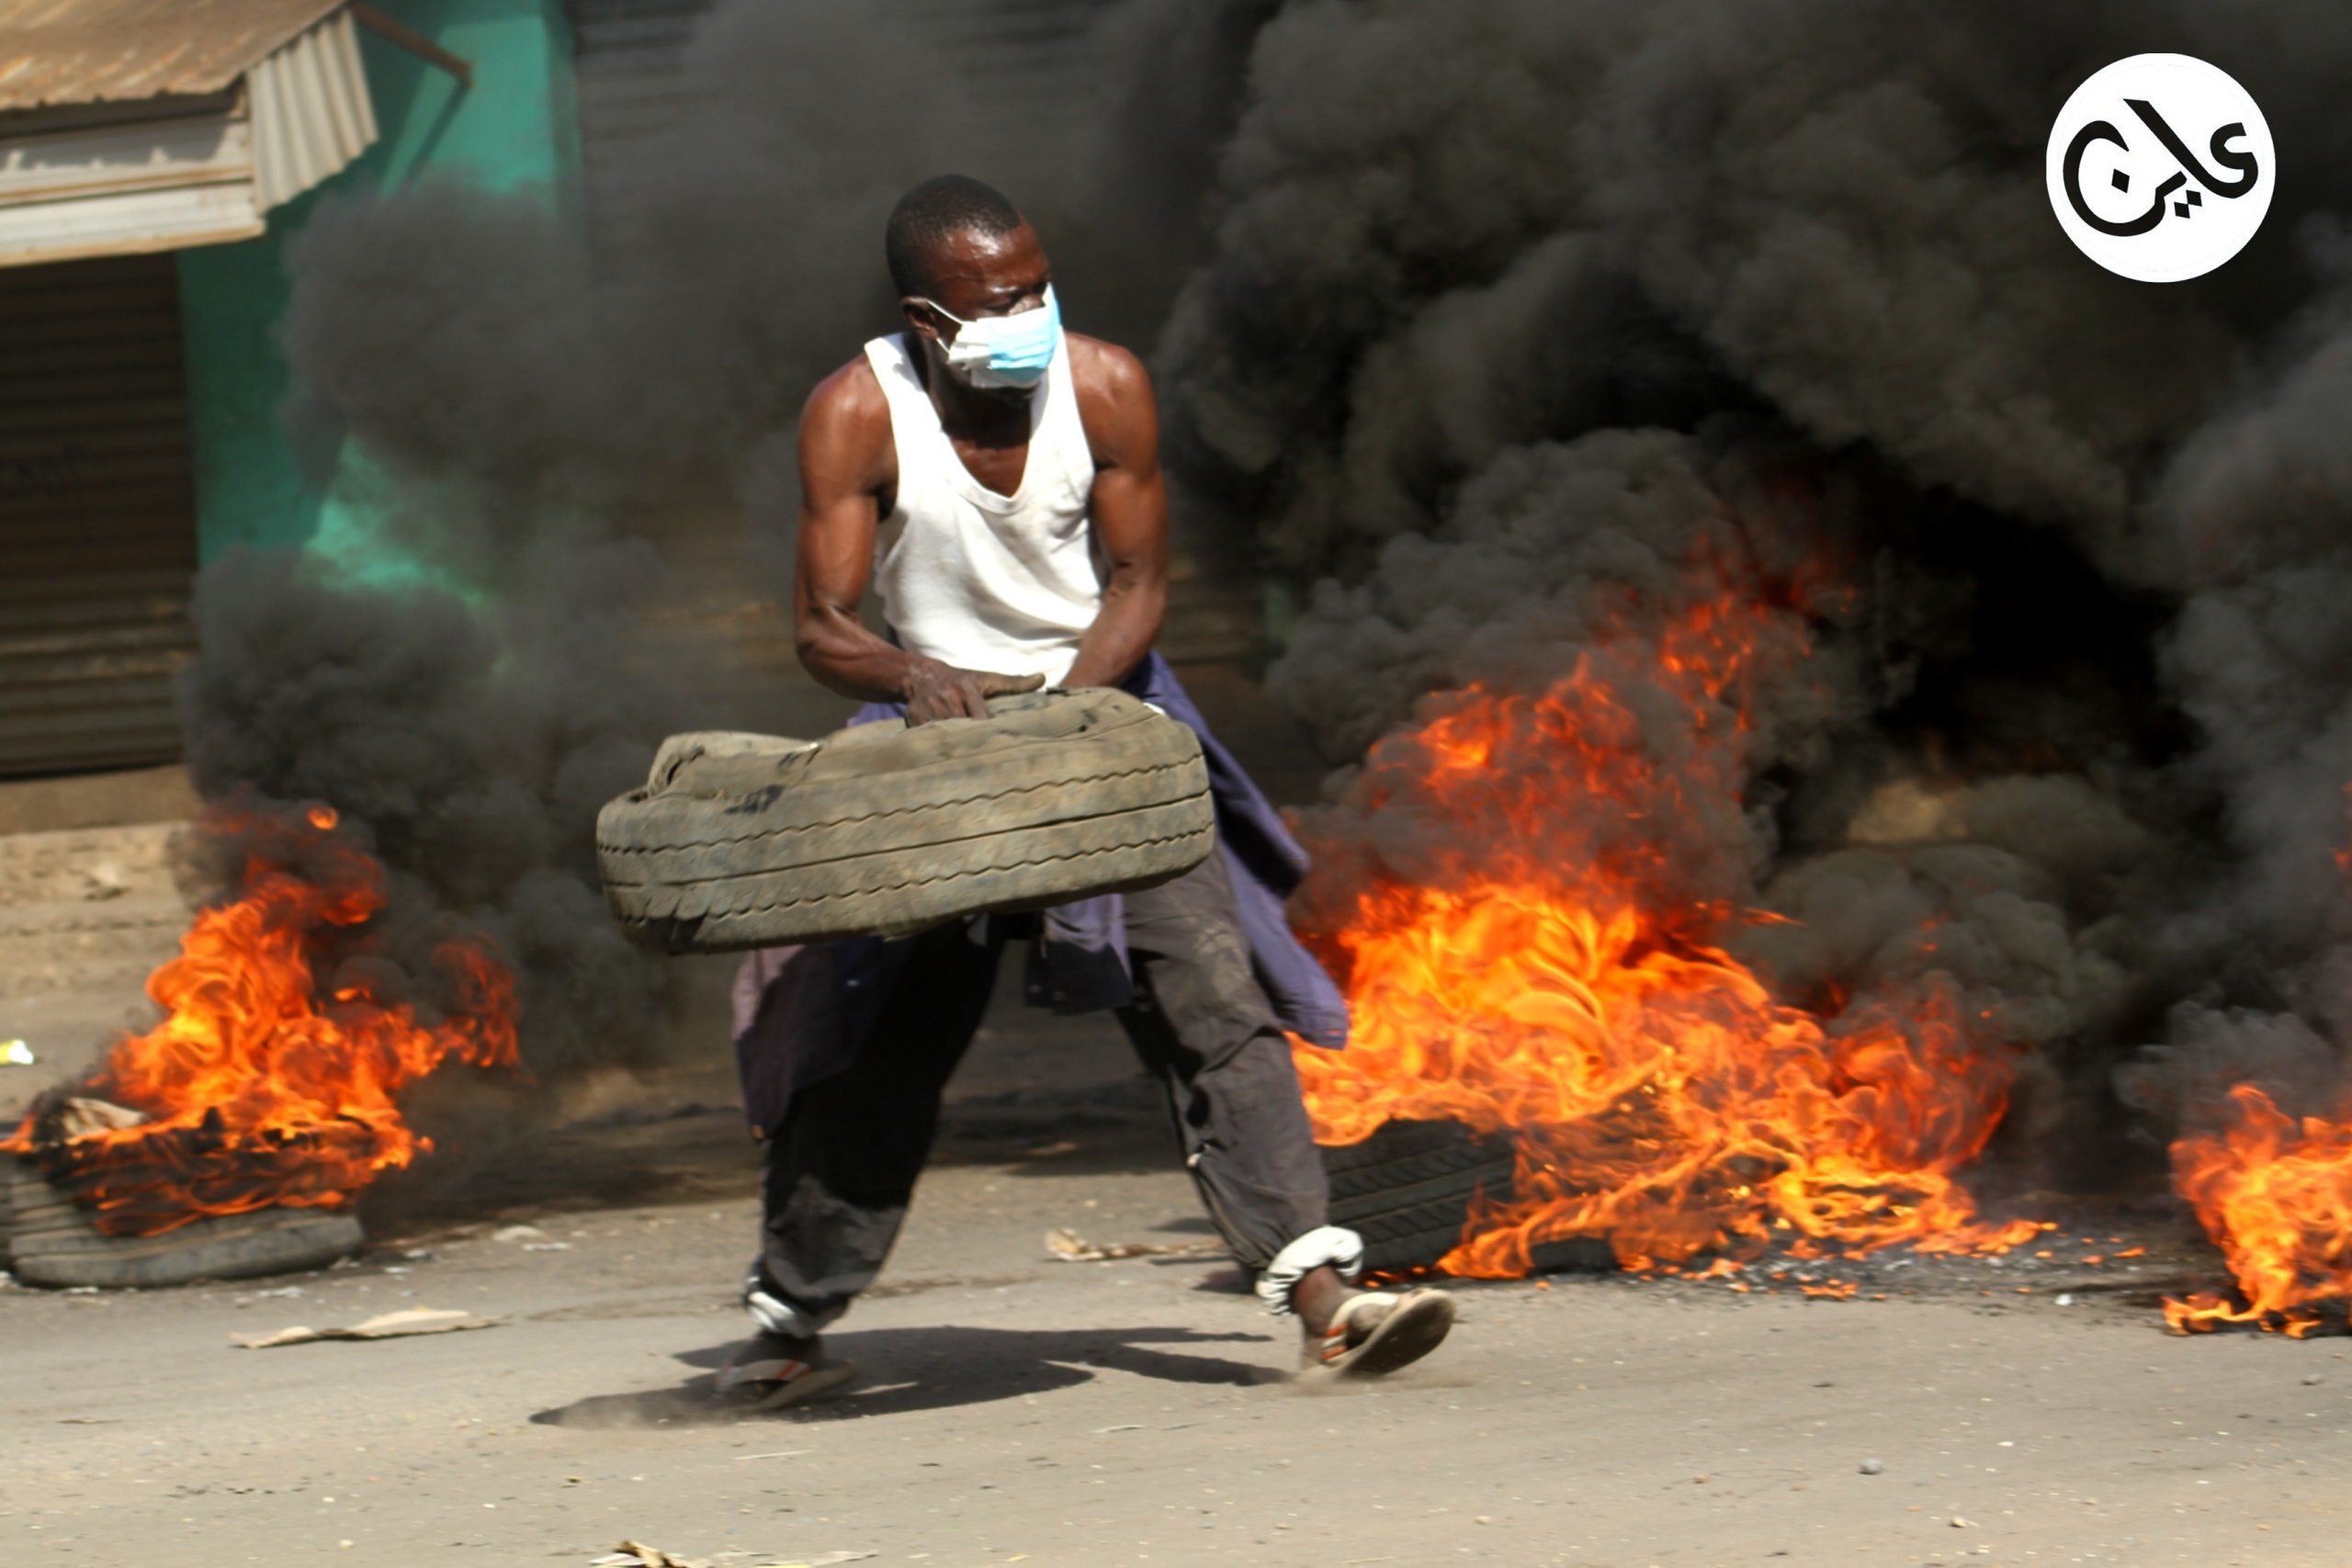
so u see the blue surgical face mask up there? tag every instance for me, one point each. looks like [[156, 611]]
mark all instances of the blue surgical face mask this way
[[1005, 351]]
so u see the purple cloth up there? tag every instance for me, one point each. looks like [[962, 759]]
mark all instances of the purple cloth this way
[[801, 1013]]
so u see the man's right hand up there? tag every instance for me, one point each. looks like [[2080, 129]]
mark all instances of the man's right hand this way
[[937, 690]]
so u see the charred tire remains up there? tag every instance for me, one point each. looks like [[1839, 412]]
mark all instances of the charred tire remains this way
[[1408, 1189], [48, 1239], [750, 840]]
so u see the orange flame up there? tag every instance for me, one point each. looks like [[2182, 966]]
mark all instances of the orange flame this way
[[1549, 974], [266, 1084], [2275, 1193]]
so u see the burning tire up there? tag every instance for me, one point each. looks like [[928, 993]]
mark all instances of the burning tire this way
[[48, 1240], [750, 840], [1408, 1188]]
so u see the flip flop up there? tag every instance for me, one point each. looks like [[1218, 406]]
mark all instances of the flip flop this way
[[773, 1382], [1415, 1323]]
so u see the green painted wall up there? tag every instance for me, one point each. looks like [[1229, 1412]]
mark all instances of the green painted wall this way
[[515, 130]]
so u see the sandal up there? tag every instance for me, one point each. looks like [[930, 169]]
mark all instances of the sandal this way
[[1410, 1326], [762, 1377]]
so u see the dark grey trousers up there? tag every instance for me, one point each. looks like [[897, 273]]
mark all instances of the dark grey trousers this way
[[841, 1167]]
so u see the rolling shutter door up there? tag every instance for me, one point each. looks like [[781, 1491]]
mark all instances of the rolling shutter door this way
[[631, 86], [98, 518], [1027, 58]]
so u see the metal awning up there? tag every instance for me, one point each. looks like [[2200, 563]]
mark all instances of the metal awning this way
[[145, 125]]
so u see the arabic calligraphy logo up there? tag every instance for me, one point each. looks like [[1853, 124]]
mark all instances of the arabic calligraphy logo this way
[[2129, 187]]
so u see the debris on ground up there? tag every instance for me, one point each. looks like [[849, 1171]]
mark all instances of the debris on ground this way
[[67, 1117], [1067, 1247], [52, 1241], [16, 1053], [405, 1324], [283, 1292], [637, 1554], [532, 1237]]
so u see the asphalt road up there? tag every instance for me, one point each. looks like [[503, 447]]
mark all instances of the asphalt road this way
[[1019, 1409]]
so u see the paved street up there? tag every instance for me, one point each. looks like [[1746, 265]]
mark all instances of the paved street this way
[[1019, 1409]]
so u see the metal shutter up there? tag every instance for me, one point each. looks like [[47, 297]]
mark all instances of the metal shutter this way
[[98, 517], [629, 62], [1031, 63], [1029, 56]]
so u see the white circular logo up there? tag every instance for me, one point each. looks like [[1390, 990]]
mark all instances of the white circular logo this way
[[2161, 167]]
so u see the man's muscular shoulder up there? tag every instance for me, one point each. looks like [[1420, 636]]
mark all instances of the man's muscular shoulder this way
[[1103, 372], [845, 427], [1114, 398]]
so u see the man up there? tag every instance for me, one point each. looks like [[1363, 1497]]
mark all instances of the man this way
[[998, 480]]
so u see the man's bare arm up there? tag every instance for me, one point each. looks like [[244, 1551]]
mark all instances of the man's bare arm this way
[[1130, 511], [846, 460]]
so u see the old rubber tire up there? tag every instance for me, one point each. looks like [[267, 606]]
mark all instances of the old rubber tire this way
[[1408, 1188], [48, 1240], [741, 840]]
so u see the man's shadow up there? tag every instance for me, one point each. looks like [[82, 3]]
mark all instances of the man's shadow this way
[[909, 1369]]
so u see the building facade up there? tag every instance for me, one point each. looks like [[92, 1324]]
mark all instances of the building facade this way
[[156, 157]]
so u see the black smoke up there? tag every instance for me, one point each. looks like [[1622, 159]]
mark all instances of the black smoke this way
[[470, 747], [1518, 310]]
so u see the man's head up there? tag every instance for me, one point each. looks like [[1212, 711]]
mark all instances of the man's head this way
[[960, 252]]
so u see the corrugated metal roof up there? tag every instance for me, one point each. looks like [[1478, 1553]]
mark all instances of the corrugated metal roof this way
[[162, 173], [311, 111], [91, 51]]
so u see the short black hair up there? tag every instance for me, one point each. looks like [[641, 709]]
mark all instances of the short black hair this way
[[942, 206]]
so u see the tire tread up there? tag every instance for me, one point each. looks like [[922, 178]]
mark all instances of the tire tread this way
[[739, 841]]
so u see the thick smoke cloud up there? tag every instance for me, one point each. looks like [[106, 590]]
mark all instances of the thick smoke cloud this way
[[1582, 557], [2258, 508], [1839, 203], [470, 748], [1520, 314]]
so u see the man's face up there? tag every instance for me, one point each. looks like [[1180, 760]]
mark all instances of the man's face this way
[[976, 275]]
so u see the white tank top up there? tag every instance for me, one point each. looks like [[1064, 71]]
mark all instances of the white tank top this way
[[1006, 583]]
